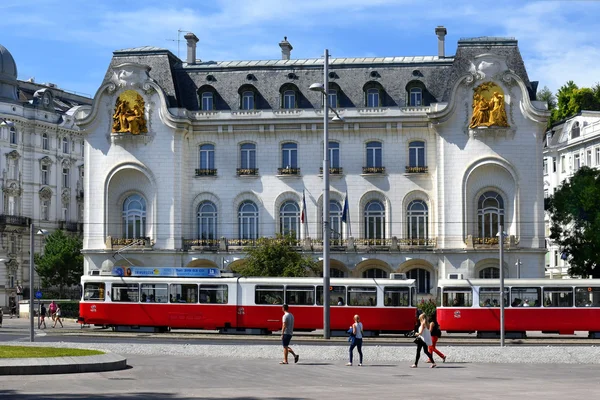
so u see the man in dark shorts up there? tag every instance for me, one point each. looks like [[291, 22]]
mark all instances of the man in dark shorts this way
[[287, 330], [42, 320]]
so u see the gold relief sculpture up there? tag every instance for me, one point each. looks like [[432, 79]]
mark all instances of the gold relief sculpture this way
[[129, 114], [488, 107]]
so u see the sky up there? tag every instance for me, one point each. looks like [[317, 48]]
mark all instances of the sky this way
[[70, 43]]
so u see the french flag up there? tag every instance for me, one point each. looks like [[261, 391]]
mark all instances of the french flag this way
[[303, 212]]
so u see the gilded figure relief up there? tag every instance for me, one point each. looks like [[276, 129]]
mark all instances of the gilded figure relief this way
[[129, 114], [488, 106]]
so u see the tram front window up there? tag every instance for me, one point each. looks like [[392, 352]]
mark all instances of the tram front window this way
[[587, 296], [458, 297], [93, 291]]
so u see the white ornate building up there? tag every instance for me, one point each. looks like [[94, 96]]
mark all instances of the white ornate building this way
[[42, 171], [230, 147], [568, 146]]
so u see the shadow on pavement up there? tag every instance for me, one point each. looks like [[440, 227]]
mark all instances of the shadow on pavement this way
[[11, 394]]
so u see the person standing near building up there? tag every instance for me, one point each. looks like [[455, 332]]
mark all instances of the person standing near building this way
[[57, 315], [52, 309], [422, 341], [287, 330], [356, 340], [42, 316], [436, 333]]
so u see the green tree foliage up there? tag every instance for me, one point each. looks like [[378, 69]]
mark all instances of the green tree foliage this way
[[547, 96], [575, 212], [61, 264], [571, 99], [277, 257]]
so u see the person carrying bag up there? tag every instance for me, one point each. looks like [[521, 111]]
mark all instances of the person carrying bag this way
[[356, 339]]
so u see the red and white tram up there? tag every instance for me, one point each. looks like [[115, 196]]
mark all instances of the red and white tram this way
[[550, 306], [246, 304]]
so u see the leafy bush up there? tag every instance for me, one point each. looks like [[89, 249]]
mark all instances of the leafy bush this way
[[69, 309], [427, 306]]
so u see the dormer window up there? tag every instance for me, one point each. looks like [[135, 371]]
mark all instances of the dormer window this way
[[207, 101], [333, 98], [289, 99], [575, 130], [248, 100], [373, 98], [416, 97]]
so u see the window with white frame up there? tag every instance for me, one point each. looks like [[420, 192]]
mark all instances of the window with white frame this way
[[417, 216], [597, 156], [45, 144], [588, 160], [335, 220], [65, 212], [248, 220], [65, 145], [374, 154], [207, 156], [46, 210], [13, 135], [490, 213], [82, 147], [553, 164], [45, 174], [289, 99], [375, 273], [333, 98], [576, 162], [489, 273], [248, 156], [416, 97], [207, 100], [65, 177], [13, 168], [289, 219], [416, 154], [11, 205], [545, 166], [134, 217], [575, 130], [372, 97], [207, 221], [374, 215], [546, 193], [248, 100], [563, 164], [289, 155], [334, 155]]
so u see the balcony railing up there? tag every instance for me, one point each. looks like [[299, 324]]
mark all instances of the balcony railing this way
[[14, 220], [206, 172], [333, 171], [242, 242], [288, 171], [373, 170], [210, 244], [428, 242], [489, 241], [373, 242], [417, 170], [247, 171], [68, 226]]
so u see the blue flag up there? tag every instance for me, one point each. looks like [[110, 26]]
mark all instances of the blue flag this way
[[345, 210]]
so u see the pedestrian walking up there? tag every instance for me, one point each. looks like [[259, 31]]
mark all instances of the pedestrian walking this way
[[52, 309], [423, 340], [42, 320], [436, 333], [356, 340], [287, 330], [13, 309], [57, 315]]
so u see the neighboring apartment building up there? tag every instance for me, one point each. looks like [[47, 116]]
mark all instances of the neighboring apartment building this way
[[194, 160], [568, 146], [42, 171]]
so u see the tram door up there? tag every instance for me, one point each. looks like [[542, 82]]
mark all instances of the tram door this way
[[239, 305]]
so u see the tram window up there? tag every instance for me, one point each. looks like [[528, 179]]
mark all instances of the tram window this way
[[125, 292], [154, 293], [490, 297], [183, 293], [337, 296], [362, 296], [458, 297], [93, 291], [438, 298], [558, 297], [268, 295], [587, 296], [215, 294], [300, 295], [395, 296], [525, 297]]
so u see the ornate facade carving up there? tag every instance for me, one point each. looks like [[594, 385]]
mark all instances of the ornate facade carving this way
[[13, 155], [129, 114], [45, 193], [66, 196], [12, 188], [46, 161], [488, 107]]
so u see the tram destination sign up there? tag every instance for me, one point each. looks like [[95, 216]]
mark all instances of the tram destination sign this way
[[166, 271]]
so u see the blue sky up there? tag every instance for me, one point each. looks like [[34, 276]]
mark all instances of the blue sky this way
[[70, 43]]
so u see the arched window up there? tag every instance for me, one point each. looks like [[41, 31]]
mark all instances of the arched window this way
[[375, 273], [374, 220], [417, 216], [416, 97], [248, 100], [207, 156], [575, 130], [489, 273], [374, 154], [248, 156], [207, 221], [45, 145], [207, 101], [248, 220], [423, 279], [373, 97], [336, 273], [65, 145], [289, 219], [289, 99], [289, 155], [490, 213], [335, 221], [134, 217], [416, 154]]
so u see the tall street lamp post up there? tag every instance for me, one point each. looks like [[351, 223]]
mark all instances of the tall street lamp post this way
[[501, 246], [31, 276]]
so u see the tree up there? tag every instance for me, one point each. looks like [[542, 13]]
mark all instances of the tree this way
[[548, 97], [276, 257], [575, 213], [62, 262], [571, 100]]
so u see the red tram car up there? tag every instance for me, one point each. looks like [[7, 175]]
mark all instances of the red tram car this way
[[550, 306], [245, 304]]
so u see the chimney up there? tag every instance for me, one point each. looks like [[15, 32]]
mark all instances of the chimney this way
[[440, 31], [191, 47], [286, 49]]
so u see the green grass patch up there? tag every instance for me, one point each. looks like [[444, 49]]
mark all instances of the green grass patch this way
[[43, 352]]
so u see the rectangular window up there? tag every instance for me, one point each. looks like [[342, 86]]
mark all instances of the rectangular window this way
[[563, 164], [289, 156], [214, 294], [597, 156], [558, 297], [183, 293], [362, 296], [13, 136], [553, 164], [289, 99], [46, 210], [65, 173], [458, 297], [490, 297], [556, 258], [588, 160], [395, 296], [525, 297], [300, 295], [268, 294], [416, 154], [374, 154], [125, 292], [65, 145], [587, 296], [334, 154], [93, 291], [248, 156], [154, 293], [44, 175], [576, 163], [545, 166], [337, 295], [207, 156], [333, 98]]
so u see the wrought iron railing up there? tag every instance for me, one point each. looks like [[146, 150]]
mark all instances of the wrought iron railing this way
[[206, 172], [204, 243], [373, 242], [417, 170], [428, 242], [288, 171], [242, 242], [489, 241], [373, 170], [333, 171], [247, 171], [14, 220]]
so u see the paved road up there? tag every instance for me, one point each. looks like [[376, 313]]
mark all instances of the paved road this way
[[178, 377]]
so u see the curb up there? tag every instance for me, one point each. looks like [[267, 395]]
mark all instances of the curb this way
[[62, 365]]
